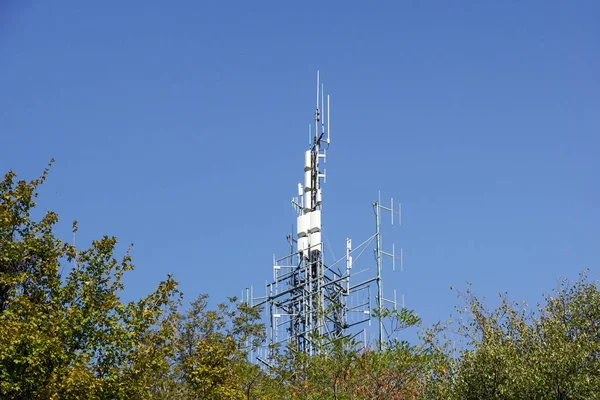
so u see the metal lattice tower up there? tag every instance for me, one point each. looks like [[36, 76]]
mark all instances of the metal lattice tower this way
[[309, 299]]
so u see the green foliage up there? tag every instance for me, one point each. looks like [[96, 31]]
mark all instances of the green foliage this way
[[342, 369], [70, 336], [511, 353], [211, 349]]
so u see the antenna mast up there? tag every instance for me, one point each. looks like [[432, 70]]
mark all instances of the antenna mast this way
[[309, 300]]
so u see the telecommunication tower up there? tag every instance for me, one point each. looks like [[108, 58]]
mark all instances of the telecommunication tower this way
[[307, 298]]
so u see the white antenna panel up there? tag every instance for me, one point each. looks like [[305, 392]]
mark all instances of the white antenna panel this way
[[315, 240], [303, 221], [306, 202], [303, 244], [307, 161], [315, 221], [307, 181]]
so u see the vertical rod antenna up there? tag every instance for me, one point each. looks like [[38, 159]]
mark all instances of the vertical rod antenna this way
[[323, 108], [317, 111], [379, 283], [318, 83], [393, 257], [328, 122], [400, 212], [401, 261]]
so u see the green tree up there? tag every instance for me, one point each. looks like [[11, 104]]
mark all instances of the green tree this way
[[212, 347], [341, 369], [511, 353], [70, 336]]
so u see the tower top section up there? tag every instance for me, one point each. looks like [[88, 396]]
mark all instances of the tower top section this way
[[310, 194], [322, 133]]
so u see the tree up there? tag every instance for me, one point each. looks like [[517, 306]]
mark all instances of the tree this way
[[511, 353], [70, 336], [211, 350], [341, 369]]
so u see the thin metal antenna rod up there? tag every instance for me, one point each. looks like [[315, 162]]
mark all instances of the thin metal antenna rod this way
[[379, 283], [322, 112], [328, 122], [318, 79]]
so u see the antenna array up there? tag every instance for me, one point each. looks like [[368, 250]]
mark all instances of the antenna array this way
[[308, 299]]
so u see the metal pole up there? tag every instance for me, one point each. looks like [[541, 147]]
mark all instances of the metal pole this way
[[379, 285]]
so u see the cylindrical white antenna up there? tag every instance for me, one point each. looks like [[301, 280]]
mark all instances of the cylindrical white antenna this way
[[393, 257], [400, 212], [401, 261], [323, 107], [318, 83], [328, 121]]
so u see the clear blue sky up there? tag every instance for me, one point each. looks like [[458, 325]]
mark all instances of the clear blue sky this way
[[182, 127]]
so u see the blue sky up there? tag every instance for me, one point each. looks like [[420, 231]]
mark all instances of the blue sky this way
[[182, 129]]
